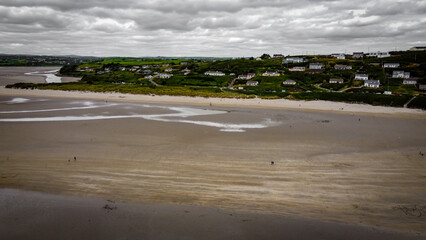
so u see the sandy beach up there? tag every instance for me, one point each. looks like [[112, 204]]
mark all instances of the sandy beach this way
[[318, 106], [359, 166]]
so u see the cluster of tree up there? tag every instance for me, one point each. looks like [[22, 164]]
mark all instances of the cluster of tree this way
[[35, 60]]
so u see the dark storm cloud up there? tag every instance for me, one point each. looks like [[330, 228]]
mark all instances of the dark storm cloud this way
[[211, 27]]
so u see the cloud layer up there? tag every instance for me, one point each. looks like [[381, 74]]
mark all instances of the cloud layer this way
[[209, 28]]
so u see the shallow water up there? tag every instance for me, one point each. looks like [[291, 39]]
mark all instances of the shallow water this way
[[177, 115], [49, 75]]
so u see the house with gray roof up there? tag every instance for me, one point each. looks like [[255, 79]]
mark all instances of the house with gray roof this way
[[358, 54], [342, 67], [316, 65], [294, 60]]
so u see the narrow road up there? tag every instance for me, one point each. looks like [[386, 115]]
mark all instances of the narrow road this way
[[155, 84], [321, 88], [344, 89], [232, 83], [405, 105]]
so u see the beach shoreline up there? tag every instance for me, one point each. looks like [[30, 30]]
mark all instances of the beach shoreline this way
[[283, 104]]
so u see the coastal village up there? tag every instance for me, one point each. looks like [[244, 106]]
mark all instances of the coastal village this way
[[400, 75], [336, 72]]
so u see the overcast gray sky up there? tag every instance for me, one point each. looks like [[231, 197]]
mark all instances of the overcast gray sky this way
[[235, 28]]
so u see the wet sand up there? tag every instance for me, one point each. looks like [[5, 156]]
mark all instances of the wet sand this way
[[32, 215], [362, 170]]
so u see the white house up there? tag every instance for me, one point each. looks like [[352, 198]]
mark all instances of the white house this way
[[361, 77], [422, 87], [289, 82], [252, 83], [248, 76], [336, 80], [293, 60], [164, 75], [168, 70], [214, 73], [315, 65], [372, 83], [378, 54], [410, 81], [400, 74], [338, 55], [297, 69], [390, 65], [342, 67]]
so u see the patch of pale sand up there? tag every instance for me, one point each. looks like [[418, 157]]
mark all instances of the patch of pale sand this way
[[32, 215], [223, 102]]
